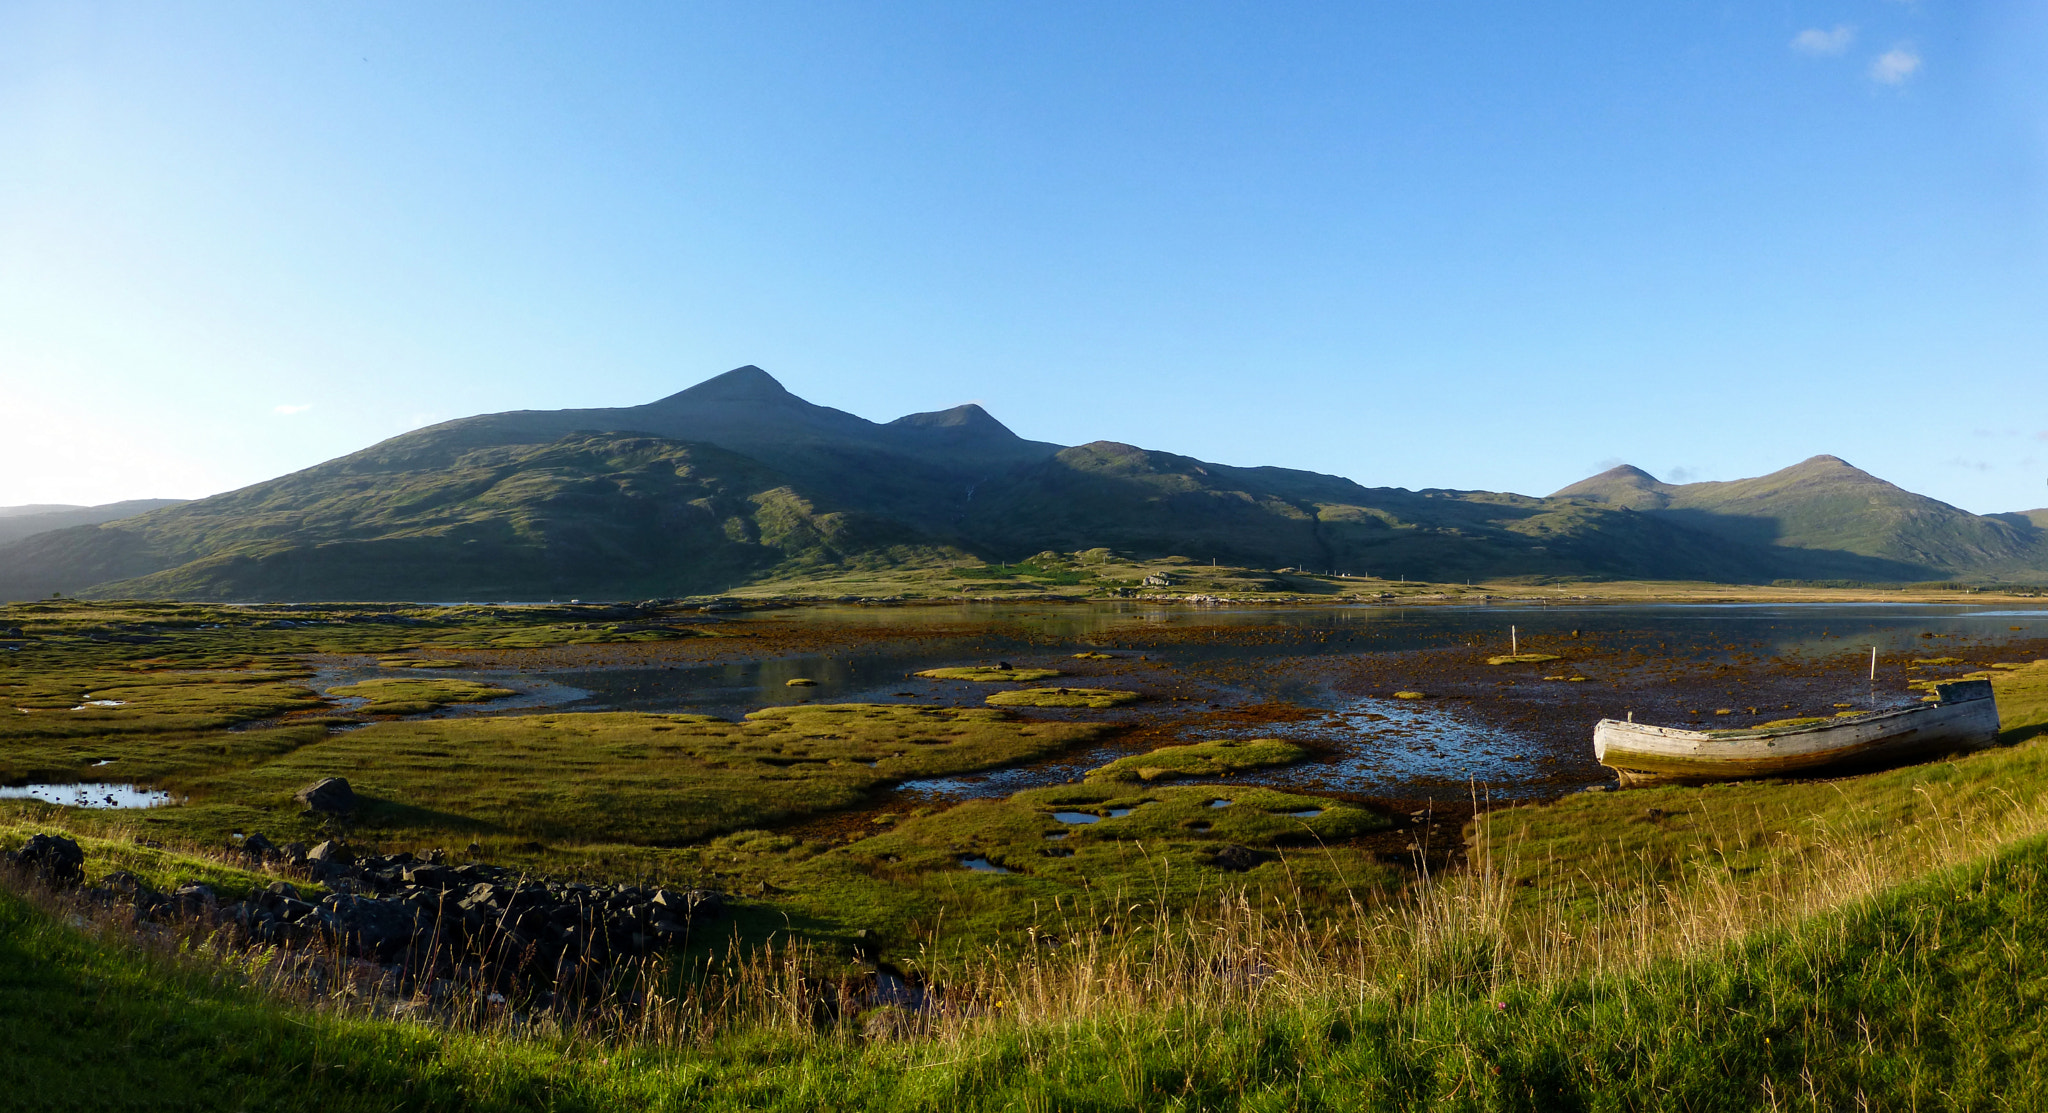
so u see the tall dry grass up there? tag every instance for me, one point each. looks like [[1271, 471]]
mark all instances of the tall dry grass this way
[[1110, 961]]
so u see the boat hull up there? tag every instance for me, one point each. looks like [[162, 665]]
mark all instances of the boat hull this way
[[1646, 755]]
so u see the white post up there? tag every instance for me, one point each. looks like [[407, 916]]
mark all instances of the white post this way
[[1873, 664], [1514, 643]]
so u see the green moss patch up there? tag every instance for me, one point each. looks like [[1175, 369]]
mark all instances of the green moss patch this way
[[417, 697], [1062, 697], [1201, 759], [989, 675], [1523, 659]]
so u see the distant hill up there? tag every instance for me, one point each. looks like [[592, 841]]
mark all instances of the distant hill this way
[[736, 479], [1835, 520], [17, 522]]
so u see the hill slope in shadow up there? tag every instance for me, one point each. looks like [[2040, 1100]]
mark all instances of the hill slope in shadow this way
[[737, 479]]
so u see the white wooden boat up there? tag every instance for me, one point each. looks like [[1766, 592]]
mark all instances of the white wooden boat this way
[[1963, 717]]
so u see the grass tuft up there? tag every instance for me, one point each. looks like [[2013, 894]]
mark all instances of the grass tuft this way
[[1201, 759], [988, 675], [1062, 697]]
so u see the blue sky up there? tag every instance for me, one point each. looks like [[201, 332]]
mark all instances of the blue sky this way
[[1460, 245]]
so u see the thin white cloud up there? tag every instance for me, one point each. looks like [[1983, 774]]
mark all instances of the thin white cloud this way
[[288, 410], [1813, 40], [1896, 65]]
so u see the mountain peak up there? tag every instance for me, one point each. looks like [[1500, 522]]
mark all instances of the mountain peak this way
[[1625, 485], [1825, 462], [965, 416], [1628, 473], [741, 384]]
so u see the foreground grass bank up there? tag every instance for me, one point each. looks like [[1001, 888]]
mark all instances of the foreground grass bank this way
[[1928, 995]]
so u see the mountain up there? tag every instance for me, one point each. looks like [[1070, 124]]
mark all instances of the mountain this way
[[17, 522], [1158, 503], [736, 479], [1828, 518], [918, 468]]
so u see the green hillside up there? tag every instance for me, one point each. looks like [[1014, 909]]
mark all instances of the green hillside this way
[[1840, 519], [736, 480], [602, 515]]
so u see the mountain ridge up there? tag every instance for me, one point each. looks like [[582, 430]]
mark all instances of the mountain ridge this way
[[736, 479], [1824, 504]]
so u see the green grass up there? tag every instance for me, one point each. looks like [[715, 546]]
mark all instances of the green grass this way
[[1062, 697], [416, 697], [1927, 995], [907, 883], [625, 777], [988, 675], [409, 662], [1201, 759], [1593, 847], [163, 868]]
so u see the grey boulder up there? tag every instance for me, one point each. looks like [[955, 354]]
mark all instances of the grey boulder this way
[[330, 795]]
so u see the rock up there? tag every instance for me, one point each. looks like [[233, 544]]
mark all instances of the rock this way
[[122, 887], [258, 847], [1237, 859], [330, 795], [194, 898], [54, 858], [330, 851]]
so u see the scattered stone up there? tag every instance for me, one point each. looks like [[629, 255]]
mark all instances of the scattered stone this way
[[422, 916], [330, 795]]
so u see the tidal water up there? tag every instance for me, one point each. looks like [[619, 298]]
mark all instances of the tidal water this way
[[1372, 746]]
